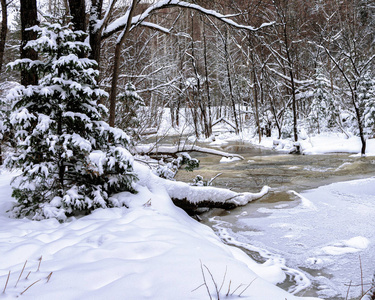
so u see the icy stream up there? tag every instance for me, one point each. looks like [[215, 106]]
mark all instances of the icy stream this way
[[317, 224]]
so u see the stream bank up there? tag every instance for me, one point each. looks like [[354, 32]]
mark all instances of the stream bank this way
[[316, 222]]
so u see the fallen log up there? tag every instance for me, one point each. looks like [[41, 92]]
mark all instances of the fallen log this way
[[192, 198]]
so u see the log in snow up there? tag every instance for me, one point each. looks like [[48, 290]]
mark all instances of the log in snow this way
[[190, 198], [152, 150]]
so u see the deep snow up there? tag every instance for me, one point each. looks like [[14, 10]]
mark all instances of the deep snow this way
[[151, 250]]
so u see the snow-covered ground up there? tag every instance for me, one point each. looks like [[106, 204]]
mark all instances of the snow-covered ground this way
[[321, 143], [151, 250]]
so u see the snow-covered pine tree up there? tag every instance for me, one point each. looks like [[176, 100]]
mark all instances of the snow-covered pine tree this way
[[71, 160], [128, 104], [323, 112]]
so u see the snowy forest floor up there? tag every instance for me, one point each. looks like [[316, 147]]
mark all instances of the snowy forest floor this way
[[150, 250]]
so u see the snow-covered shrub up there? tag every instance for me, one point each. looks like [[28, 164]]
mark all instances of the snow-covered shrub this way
[[70, 159], [168, 170]]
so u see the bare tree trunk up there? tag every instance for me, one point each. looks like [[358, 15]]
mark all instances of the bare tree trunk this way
[[209, 104], [28, 19], [292, 83], [116, 65], [226, 53], [3, 34], [359, 120]]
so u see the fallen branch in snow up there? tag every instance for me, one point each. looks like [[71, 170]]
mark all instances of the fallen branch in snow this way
[[152, 150]]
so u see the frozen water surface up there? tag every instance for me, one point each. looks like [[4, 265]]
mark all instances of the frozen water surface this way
[[324, 235]]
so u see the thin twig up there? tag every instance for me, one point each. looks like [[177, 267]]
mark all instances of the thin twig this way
[[246, 287], [21, 273], [225, 274], [30, 286], [204, 280], [213, 280], [49, 277], [6, 283], [40, 261]]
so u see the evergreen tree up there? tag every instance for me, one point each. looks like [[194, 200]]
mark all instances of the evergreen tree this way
[[323, 111], [71, 160], [128, 105]]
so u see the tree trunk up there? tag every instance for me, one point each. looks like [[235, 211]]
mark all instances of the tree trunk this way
[[29, 18], [359, 122], [209, 102], [4, 30], [226, 53], [78, 12], [116, 65], [95, 34]]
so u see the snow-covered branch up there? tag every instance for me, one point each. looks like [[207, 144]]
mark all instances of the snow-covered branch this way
[[120, 23]]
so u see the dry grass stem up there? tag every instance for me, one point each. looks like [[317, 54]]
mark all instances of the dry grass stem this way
[[30, 286], [40, 261], [19, 277], [28, 275], [213, 280], [198, 287], [230, 282], [6, 283], [239, 295], [49, 276], [225, 274], [360, 265], [237, 289], [204, 281], [347, 293]]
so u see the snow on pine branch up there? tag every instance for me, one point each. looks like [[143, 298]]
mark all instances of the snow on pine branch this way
[[121, 22]]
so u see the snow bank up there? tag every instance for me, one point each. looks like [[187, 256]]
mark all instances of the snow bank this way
[[152, 250], [320, 144]]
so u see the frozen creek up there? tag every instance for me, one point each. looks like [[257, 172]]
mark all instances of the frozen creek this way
[[317, 223]]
